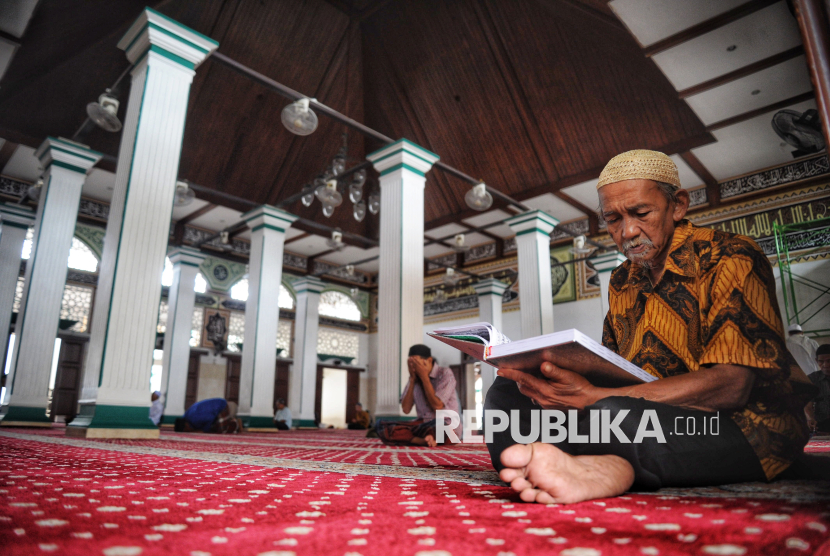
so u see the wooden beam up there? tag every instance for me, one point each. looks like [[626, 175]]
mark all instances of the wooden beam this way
[[812, 20], [712, 187], [707, 26], [196, 214], [297, 238], [760, 65], [758, 111], [6, 152]]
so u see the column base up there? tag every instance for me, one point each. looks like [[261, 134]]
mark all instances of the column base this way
[[169, 420], [304, 424], [260, 424], [21, 416], [112, 421]]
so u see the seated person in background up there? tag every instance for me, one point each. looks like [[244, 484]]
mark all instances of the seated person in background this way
[[212, 415], [802, 348], [694, 307], [430, 388], [818, 410], [282, 417], [361, 418], [157, 409]]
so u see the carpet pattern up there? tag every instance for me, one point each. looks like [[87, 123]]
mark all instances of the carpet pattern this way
[[307, 493]]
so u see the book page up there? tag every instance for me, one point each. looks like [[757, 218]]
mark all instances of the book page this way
[[479, 332]]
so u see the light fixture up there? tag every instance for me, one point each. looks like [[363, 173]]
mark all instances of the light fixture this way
[[184, 195], [336, 240], [354, 292], [440, 296], [298, 118], [329, 197], [579, 247], [459, 244], [450, 278], [328, 210], [308, 195], [355, 192], [224, 237], [374, 202], [338, 163], [359, 211], [33, 192], [478, 198], [350, 269], [105, 112]]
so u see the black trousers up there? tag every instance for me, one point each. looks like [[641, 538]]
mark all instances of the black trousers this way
[[356, 427], [690, 456], [281, 425]]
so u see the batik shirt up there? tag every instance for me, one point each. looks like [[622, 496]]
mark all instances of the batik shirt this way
[[715, 304]]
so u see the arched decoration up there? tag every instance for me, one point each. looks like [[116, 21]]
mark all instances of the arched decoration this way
[[334, 303], [81, 257], [239, 292], [361, 298], [93, 237], [221, 274]]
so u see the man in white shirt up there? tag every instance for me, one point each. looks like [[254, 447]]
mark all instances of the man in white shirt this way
[[157, 408], [282, 418], [803, 349]]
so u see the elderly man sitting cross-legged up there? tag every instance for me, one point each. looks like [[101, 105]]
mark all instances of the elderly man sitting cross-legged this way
[[692, 306]]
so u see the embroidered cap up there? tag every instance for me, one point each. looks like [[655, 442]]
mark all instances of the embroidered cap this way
[[640, 164]]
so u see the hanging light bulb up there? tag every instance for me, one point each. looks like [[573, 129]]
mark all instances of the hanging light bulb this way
[[459, 244], [450, 278], [359, 177], [355, 192], [374, 202], [338, 163], [359, 212], [478, 198], [298, 118], [328, 194], [328, 210], [308, 195], [579, 247]]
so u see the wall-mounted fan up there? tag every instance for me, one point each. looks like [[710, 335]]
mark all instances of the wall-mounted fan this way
[[184, 195], [802, 131]]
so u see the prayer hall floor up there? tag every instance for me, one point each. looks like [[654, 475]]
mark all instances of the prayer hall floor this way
[[337, 492]]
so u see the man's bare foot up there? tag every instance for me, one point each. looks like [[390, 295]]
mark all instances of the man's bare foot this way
[[543, 473], [428, 440]]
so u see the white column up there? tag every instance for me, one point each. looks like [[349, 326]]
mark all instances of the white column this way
[[116, 390], [403, 167], [66, 165], [180, 303], [306, 325], [535, 290], [490, 293], [604, 264], [15, 221], [262, 314]]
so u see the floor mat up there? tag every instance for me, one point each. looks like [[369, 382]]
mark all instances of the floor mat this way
[[223, 495]]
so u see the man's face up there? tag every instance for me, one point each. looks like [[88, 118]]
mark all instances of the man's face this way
[[640, 219], [280, 405], [824, 363]]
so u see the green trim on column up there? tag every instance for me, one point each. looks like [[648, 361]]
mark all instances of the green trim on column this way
[[60, 164], [11, 224], [532, 230], [256, 321], [261, 422], [268, 227], [297, 423], [395, 153], [33, 260], [398, 167], [170, 419], [185, 27], [18, 413], [121, 230], [113, 417], [92, 159]]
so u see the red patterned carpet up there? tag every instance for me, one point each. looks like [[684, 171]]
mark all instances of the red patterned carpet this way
[[336, 492]]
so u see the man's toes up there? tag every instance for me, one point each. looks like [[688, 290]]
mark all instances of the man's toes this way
[[517, 456], [544, 498], [520, 484], [508, 474], [530, 494]]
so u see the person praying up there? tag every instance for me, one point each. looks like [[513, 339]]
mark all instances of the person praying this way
[[694, 307]]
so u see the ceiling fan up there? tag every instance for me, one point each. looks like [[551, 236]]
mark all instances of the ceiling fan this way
[[799, 130]]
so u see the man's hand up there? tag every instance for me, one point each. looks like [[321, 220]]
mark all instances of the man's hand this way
[[559, 389], [420, 367]]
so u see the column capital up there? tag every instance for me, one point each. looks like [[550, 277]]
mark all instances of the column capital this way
[[607, 261], [308, 284], [490, 286], [270, 217], [403, 154], [67, 154], [15, 215], [186, 255], [532, 221], [155, 32]]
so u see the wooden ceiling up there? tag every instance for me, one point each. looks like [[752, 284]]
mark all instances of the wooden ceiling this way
[[529, 95]]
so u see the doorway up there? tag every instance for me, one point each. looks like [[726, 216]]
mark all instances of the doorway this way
[[337, 392]]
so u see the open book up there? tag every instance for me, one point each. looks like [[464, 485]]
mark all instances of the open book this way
[[568, 349]]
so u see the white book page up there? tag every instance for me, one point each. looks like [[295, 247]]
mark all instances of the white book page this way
[[484, 331]]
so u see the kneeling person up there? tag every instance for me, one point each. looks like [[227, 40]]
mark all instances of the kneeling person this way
[[212, 415], [692, 306]]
